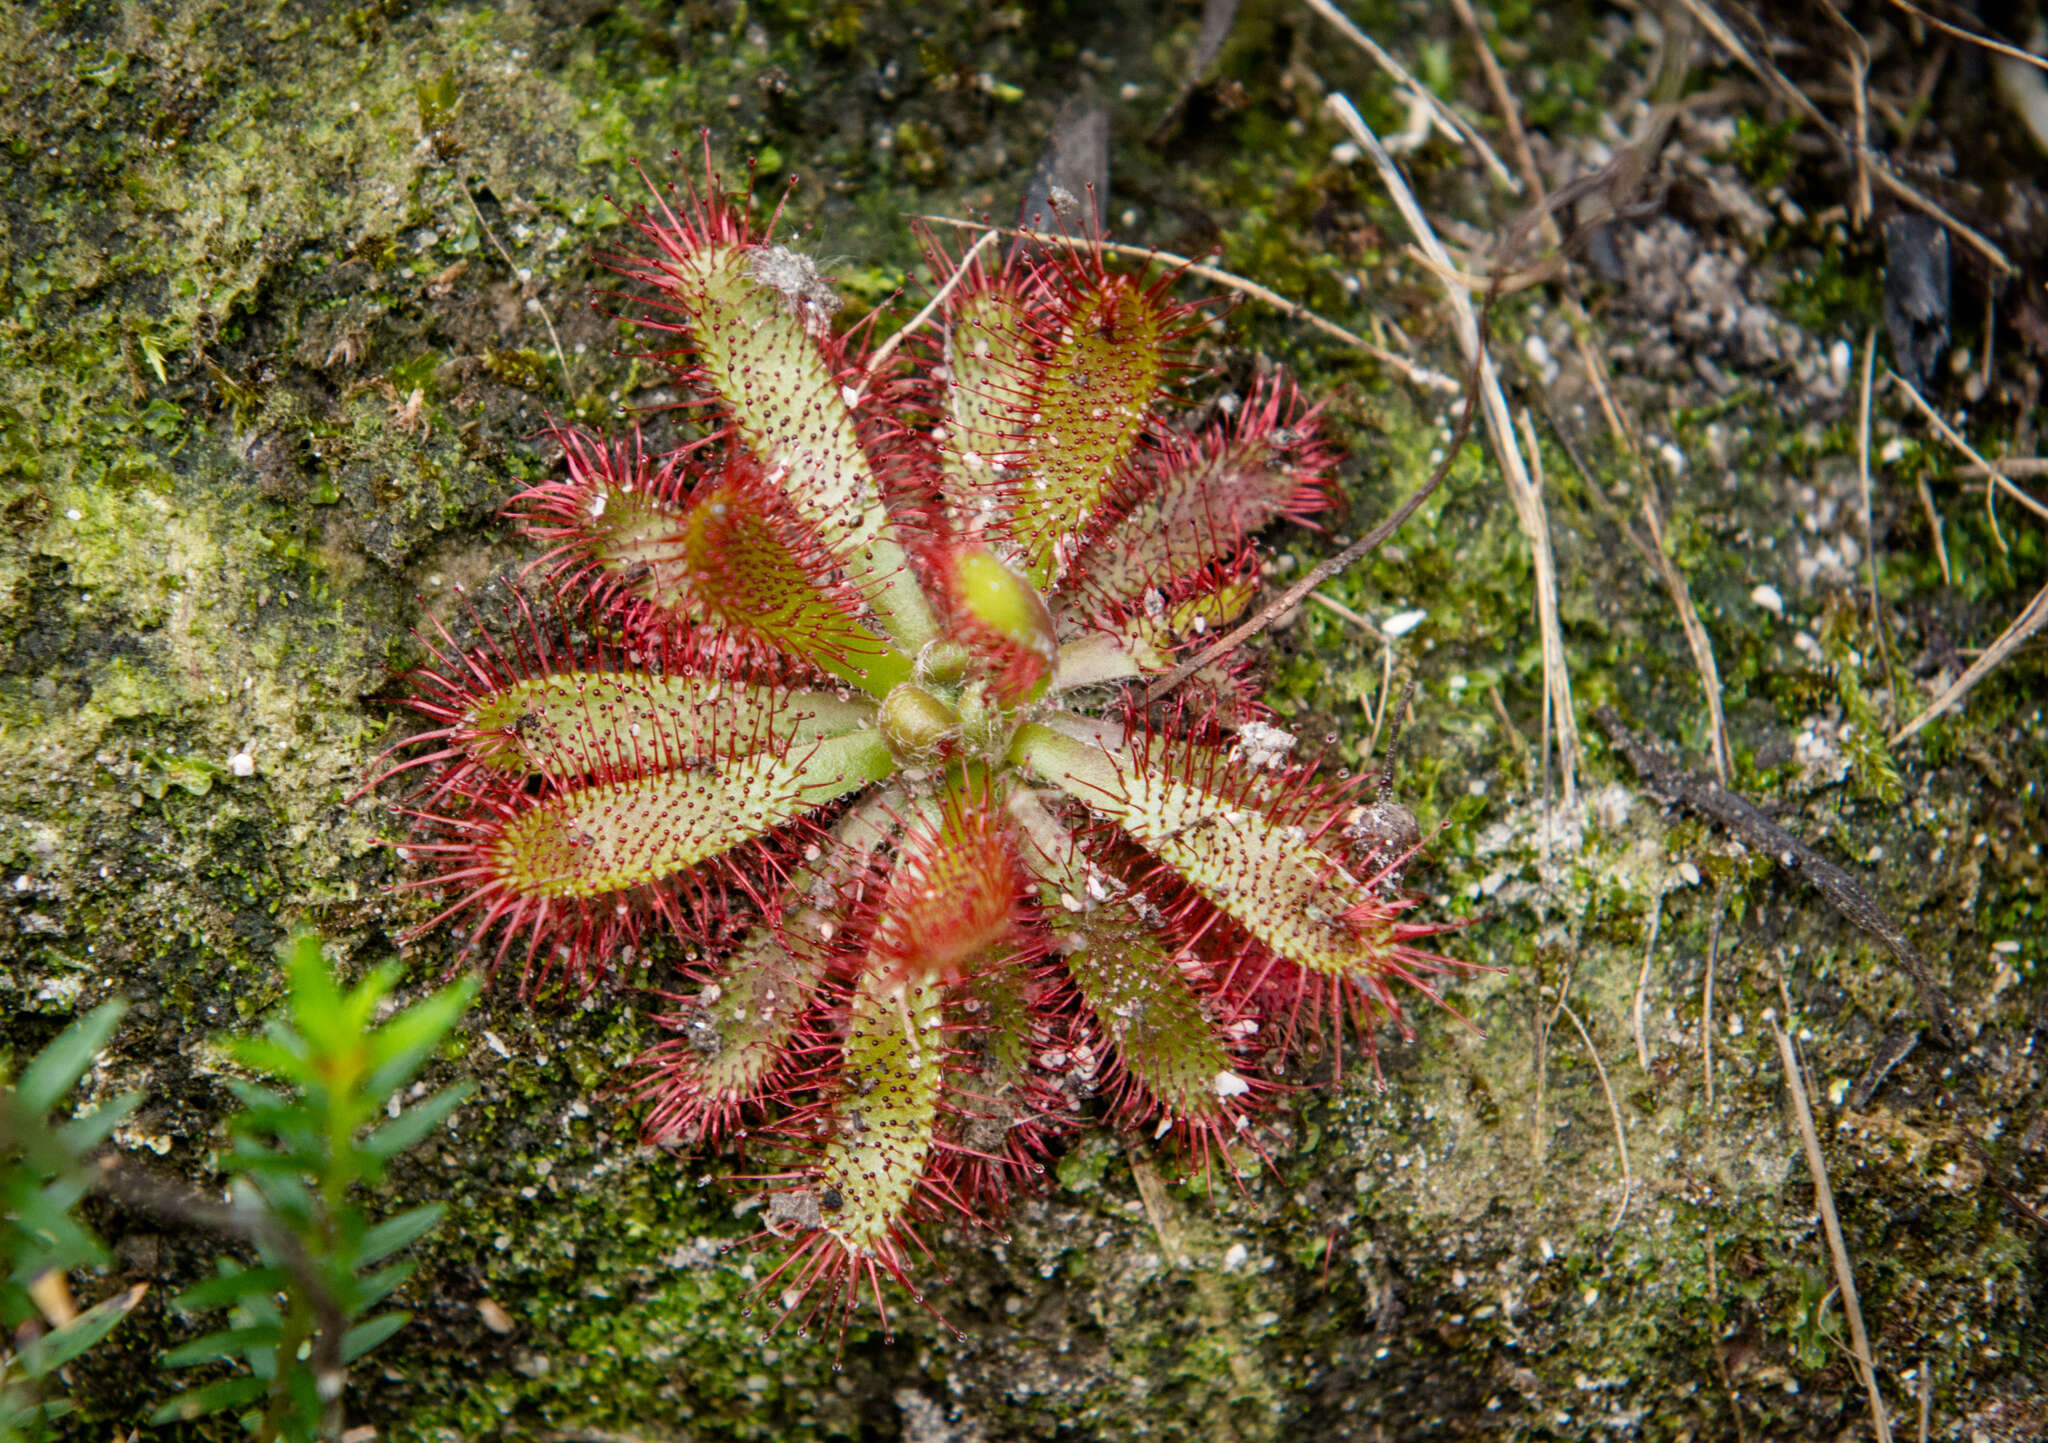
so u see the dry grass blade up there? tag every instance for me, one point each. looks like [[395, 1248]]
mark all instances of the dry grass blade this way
[[1416, 375], [1522, 490], [1653, 554], [1838, 1251], [883, 352], [1643, 980], [1449, 119], [1884, 649], [1994, 476], [2007, 466], [1342, 612], [1934, 529], [1707, 1006], [520, 274], [1628, 1177], [1510, 113], [2023, 626], [1542, 273], [1882, 173], [2000, 47], [1696, 638]]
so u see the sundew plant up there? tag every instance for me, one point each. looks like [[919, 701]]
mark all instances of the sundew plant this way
[[846, 698]]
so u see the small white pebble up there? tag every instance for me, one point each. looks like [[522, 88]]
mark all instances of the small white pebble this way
[[1690, 873], [1768, 598], [1229, 1084], [242, 764], [1403, 622]]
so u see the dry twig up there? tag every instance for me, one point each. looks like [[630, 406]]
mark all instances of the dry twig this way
[[2010, 51], [1339, 610], [1510, 114], [1653, 554], [1707, 1004], [1994, 476], [2007, 466], [1696, 638]]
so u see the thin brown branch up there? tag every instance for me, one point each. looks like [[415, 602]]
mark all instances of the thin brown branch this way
[[1316, 575]]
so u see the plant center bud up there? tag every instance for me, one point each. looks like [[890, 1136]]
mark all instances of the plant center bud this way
[[916, 724]]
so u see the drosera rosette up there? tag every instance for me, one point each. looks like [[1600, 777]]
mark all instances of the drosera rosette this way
[[848, 699]]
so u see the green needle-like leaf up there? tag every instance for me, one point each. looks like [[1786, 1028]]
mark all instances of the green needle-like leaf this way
[[57, 1068]]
